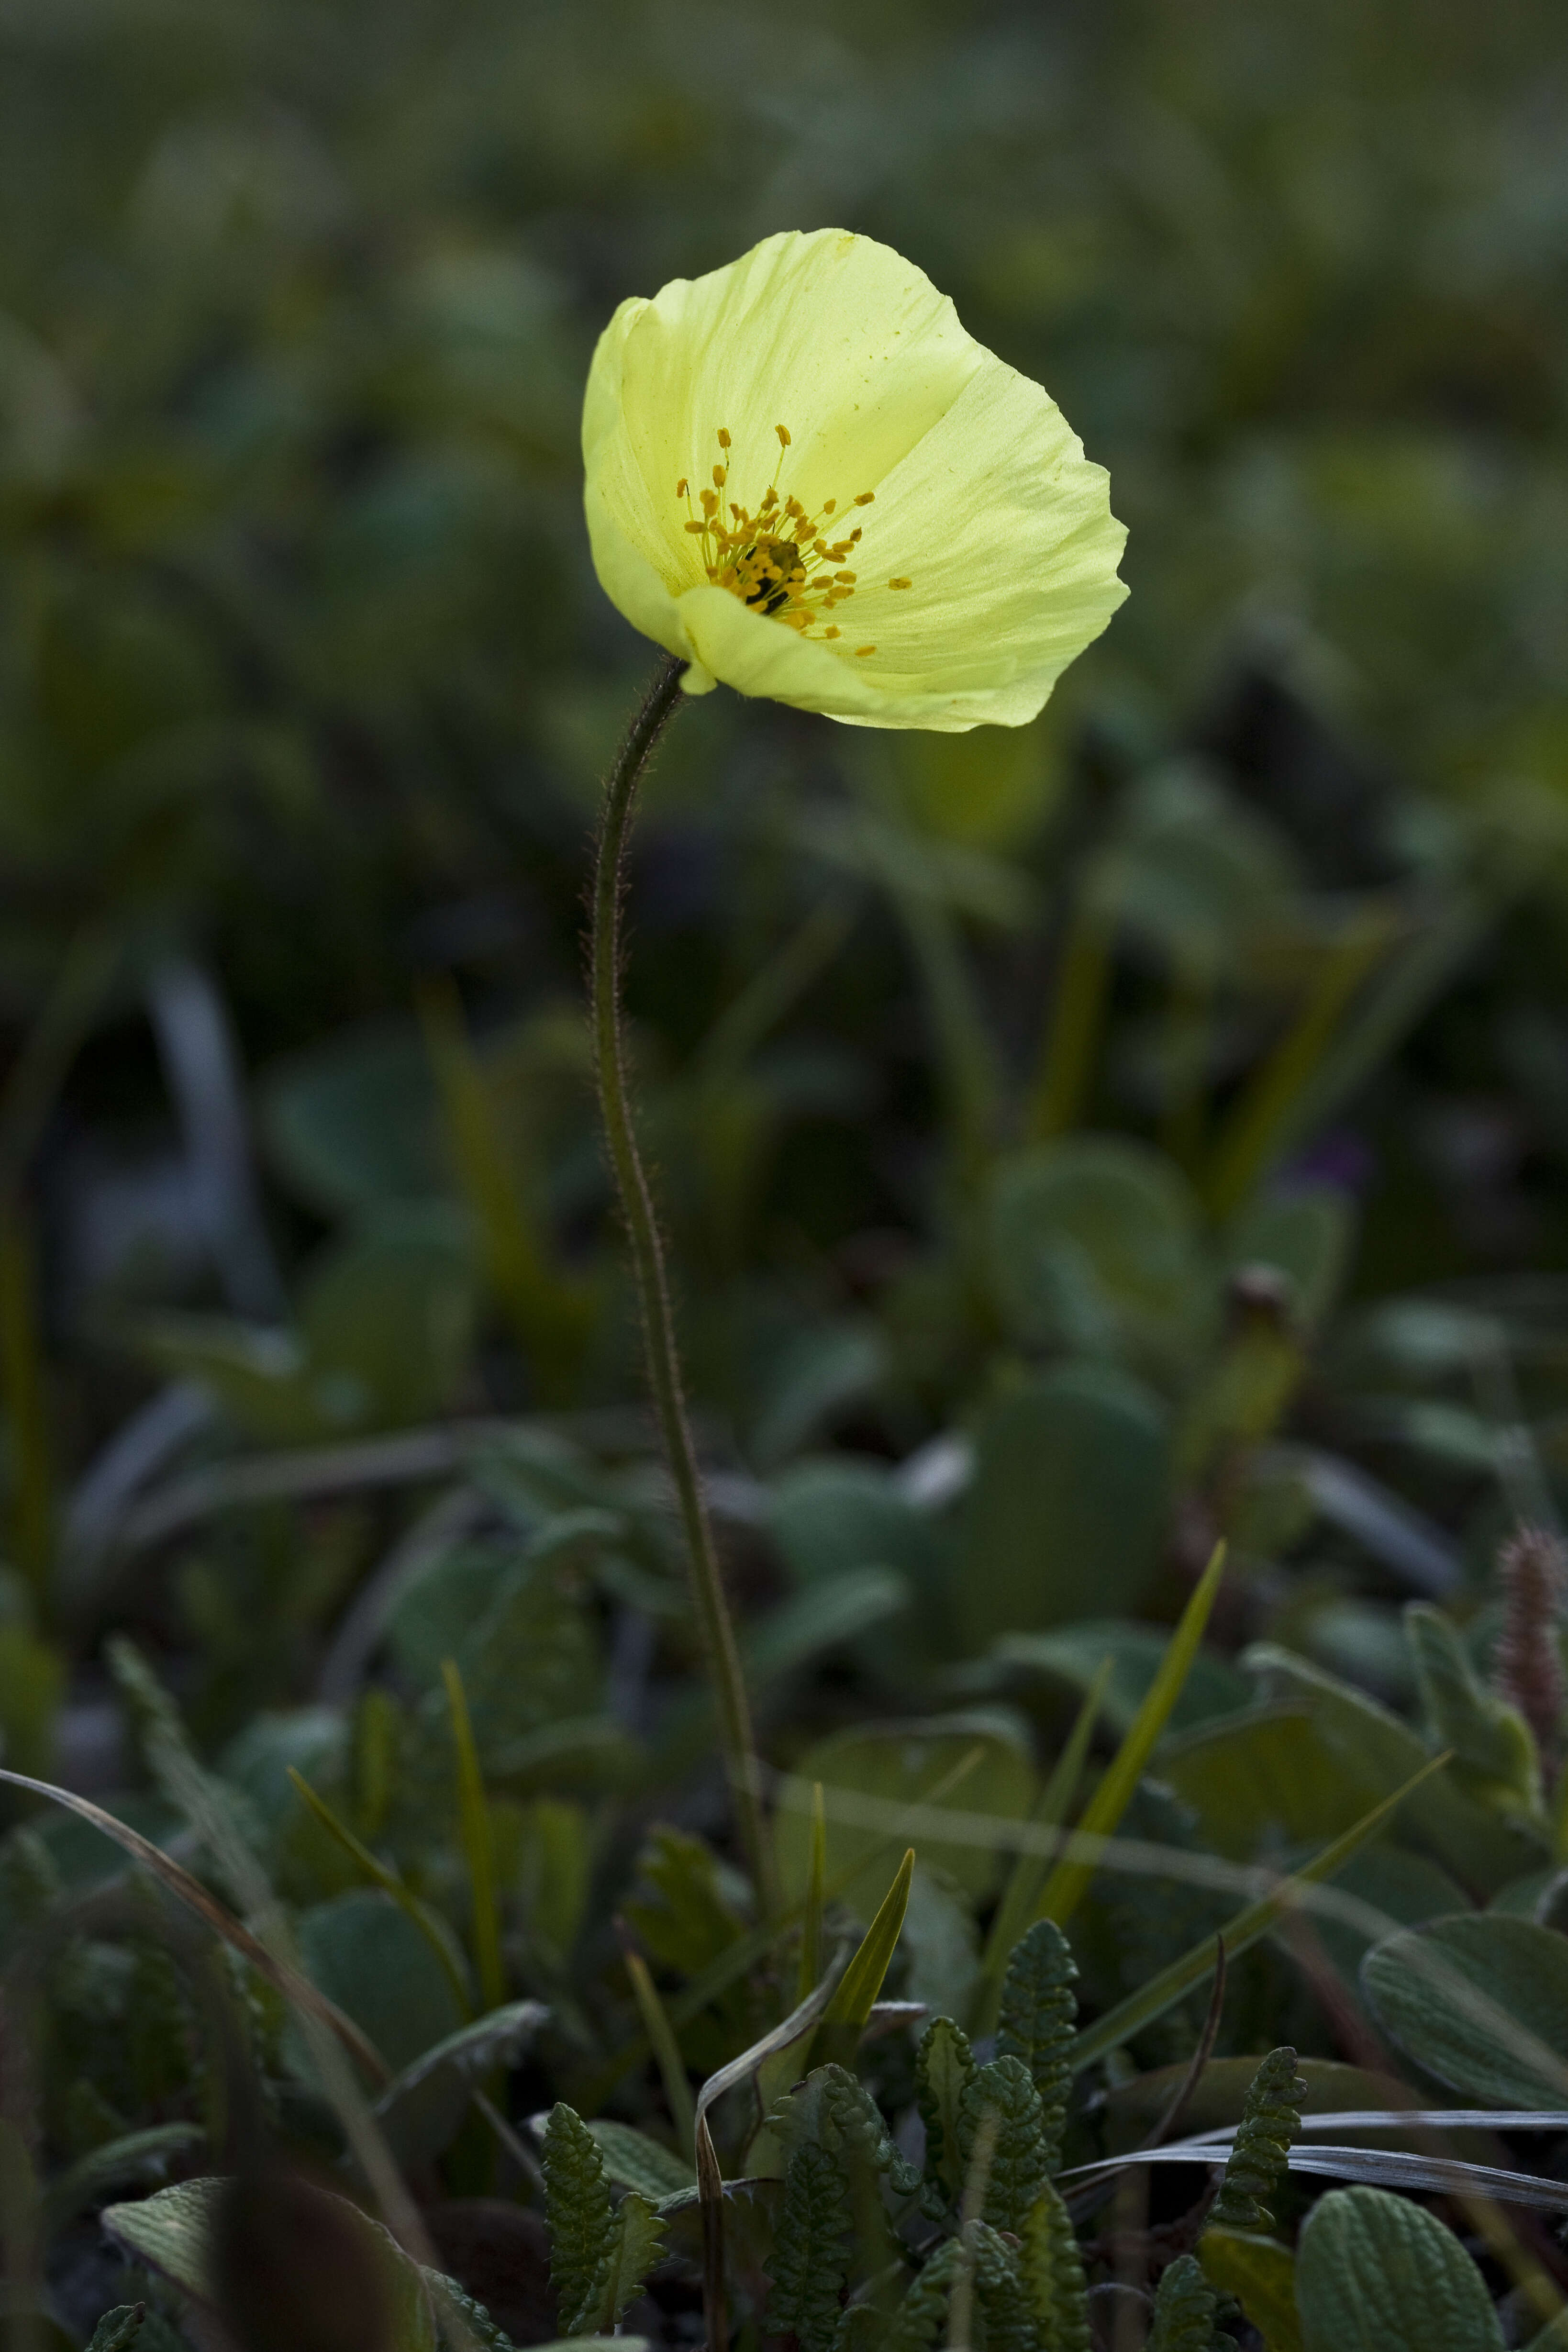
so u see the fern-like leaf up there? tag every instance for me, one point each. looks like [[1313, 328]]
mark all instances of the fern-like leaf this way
[[810, 2259], [943, 2067], [922, 2316], [582, 2220], [1270, 2118], [1052, 2271], [1000, 2292], [1017, 2172], [1036, 2020], [1185, 2309]]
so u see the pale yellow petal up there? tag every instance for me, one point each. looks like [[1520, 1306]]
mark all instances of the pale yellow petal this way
[[983, 498]]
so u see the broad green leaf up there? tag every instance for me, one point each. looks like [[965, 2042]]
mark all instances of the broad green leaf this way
[[1068, 1882], [1375, 2273], [1480, 2000], [637, 2244], [352, 1123], [901, 1763], [1065, 1513], [1482, 1847], [1261, 2274], [369, 1957], [1307, 1233], [1097, 1247], [633, 2161], [171, 2232], [419, 2113], [1258, 1778]]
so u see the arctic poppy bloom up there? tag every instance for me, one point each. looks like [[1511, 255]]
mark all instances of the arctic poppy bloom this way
[[805, 479]]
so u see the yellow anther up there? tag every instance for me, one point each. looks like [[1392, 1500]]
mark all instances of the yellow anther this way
[[723, 438], [710, 500], [682, 487], [696, 529], [846, 577], [834, 632], [819, 547], [783, 433], [855, 536], [719, 478], [865, 499], [901, 583], [861, 651], [828, 505]]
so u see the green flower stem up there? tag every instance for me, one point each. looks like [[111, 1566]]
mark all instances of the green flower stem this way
[[717, 1633]]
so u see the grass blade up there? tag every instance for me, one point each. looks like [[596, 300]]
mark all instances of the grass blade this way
[[1018, 1907], [473, 1827], [295, 1987], [1068, 1882], [434, 1929], [855, 1996], [1152, 2000], [666, 2049]]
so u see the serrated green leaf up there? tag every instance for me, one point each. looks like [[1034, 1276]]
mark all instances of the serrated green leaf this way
[[943, 2067], [1184, 2306], [1002, 2099], [1035, 2022], [582, 2218], [1375, 2273], [811, 2252], [1270, 2118], [118, 2330], [637, 2244]]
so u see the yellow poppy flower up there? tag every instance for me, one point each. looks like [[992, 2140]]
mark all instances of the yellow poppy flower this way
[[805, 479]]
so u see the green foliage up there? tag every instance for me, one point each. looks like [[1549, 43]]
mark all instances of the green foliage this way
[[582, 2221], [943, 2068], [811, 2254], [1185, 2307], [1002, 2138], [1494, 1752], [118, 2330], [1052, 2271], [921, 2316], [1065, 1514], [1035, 2023], [1374, 2273], [1271, 2119], [1000, 2291], [1480, 2001]]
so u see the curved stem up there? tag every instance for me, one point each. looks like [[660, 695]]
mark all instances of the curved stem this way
[[714, 1623]]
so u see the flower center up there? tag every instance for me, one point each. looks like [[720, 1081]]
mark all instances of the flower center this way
[[780, 560]]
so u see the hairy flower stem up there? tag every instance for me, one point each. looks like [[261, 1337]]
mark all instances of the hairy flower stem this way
[[717, 1631]]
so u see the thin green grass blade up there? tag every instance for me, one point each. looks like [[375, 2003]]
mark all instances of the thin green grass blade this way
[[845, 2016], [666, 2049], [435, 1931], [1152, 2000], [474, 1828], [1018, 1907], [1068, 1882]]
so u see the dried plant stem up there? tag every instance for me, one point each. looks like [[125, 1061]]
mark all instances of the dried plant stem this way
[[717, 1631]]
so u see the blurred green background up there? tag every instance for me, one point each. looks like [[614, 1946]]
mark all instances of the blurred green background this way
[[305, 686]]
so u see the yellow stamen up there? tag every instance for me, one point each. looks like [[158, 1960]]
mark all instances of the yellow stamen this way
[[783, 433], [861, 651], [682, 488], [901, 583], [720, 475], [834, 632], [723, 438], [866, 499]]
